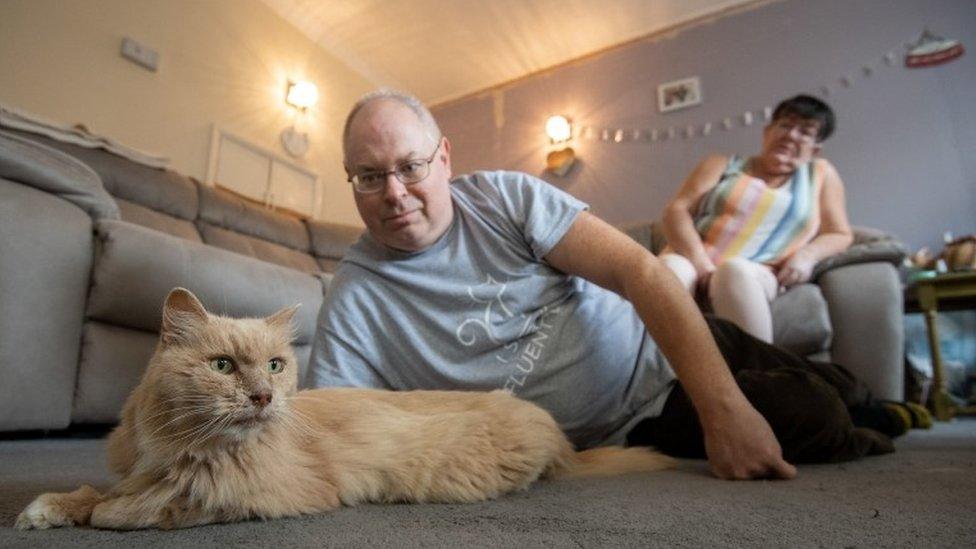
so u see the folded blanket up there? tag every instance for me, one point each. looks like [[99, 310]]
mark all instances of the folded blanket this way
[[77, 135]]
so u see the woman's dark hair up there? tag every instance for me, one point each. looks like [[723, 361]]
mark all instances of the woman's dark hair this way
[[810, 108]]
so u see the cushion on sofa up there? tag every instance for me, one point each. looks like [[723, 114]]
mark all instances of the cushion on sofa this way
[[332, 240], [228, 211], [257, 248], [158, 189], [112, 362], [136, 267], [801, 321], [37, 165], [141, 215]]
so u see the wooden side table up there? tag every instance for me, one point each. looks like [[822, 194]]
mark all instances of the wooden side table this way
[[960, 289]]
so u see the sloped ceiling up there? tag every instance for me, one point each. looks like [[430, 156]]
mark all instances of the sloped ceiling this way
[[442, 50]]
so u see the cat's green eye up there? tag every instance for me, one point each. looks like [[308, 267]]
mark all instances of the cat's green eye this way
[[222, 364], [276, 365]]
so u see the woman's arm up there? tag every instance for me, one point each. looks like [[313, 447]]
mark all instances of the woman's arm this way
[[679, 226], [835, 230]]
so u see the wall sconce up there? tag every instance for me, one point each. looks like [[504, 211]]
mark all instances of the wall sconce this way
[[560, 130], [301, 95]]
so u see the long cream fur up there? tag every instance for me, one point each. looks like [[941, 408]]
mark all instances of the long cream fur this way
[[197, 446]]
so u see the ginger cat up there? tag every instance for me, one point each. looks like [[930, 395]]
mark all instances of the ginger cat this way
[[217, 431]]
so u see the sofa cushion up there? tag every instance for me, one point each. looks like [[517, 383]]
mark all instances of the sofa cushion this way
[[257, 248], [226, 210], [158, 189], [37, 165], [136, 267], [801, 321], [141, 215], [332, 240], [111, 365]]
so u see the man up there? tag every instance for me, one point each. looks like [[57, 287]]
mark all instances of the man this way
[[498, 280]]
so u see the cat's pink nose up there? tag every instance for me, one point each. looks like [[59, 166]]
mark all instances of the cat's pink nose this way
[[261, 399]]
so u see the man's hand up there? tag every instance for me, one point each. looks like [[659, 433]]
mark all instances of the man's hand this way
[[742, 446]]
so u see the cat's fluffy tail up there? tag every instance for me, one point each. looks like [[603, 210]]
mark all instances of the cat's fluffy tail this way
[[613, 460]]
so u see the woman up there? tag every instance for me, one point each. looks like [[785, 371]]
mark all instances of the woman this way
[[743, 229]]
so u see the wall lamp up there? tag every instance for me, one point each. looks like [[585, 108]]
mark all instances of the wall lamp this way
[[560, 130], [301, 95]]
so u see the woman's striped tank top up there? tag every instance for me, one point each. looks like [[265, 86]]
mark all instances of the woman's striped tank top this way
[[743, 217]]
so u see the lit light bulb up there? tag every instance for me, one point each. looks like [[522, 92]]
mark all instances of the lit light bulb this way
[[559, 129], [302, 94]]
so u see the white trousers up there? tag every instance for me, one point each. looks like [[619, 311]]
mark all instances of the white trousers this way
[[739, 290]]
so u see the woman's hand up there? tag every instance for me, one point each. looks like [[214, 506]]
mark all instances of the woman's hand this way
[[704, 269], [796, 270]]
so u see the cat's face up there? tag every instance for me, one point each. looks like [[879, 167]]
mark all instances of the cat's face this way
[[232, 375]]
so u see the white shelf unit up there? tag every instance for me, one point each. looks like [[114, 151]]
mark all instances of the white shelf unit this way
[[261, 175]]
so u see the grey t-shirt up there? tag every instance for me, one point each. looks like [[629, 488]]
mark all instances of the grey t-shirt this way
[[481, 310]]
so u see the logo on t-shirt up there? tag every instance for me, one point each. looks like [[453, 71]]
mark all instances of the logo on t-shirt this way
[[505, 330]]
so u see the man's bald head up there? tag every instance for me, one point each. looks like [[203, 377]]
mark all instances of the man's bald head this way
[[366, 103]]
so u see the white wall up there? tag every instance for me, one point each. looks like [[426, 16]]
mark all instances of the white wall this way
[[221, 61]]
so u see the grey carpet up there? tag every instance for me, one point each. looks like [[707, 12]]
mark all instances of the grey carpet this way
[[924, 495]]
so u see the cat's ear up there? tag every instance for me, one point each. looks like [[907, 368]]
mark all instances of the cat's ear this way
[[181, 312], [283, 317]]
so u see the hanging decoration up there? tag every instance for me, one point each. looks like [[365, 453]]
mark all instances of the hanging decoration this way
[[929, 50]]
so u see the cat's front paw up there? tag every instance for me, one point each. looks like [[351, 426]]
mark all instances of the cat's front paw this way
[[43, 513], [53, 510]]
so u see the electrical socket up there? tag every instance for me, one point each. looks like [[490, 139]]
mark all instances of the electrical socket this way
[[140, 54]]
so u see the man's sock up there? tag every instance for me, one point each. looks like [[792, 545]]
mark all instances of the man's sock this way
[[893, 421], [921, 418]]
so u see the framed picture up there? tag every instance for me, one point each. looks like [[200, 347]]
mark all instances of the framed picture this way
[[679, 94]]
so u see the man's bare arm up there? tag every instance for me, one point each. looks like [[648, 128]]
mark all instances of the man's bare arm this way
[[739, 442]]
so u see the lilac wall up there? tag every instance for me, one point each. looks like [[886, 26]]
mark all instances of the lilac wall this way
[[906, 138]]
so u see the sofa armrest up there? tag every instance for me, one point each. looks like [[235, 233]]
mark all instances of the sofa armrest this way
[[866, 307], [869, 245], [52, 171], [45, 261]]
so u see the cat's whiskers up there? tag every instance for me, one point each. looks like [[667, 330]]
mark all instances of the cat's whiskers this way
[[190, 431], [189, 409], [295, 420], [186, 412], [215, 429]]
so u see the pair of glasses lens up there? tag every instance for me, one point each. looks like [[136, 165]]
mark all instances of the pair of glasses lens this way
[[807, 132], [408, 173]]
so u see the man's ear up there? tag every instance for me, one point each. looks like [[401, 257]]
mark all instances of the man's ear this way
[[182, 312], [446, 155], [817, 147]]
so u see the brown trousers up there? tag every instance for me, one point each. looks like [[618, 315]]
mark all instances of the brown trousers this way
[[819, 411]]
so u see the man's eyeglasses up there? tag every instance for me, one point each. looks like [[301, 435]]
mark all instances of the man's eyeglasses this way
[[407, 172]]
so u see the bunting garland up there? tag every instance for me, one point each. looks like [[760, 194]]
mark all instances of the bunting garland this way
[[913, 58]]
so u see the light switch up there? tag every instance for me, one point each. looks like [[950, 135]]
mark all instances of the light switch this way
[[140, 54]]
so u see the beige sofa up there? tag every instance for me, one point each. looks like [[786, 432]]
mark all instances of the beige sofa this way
[[90, 244]]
